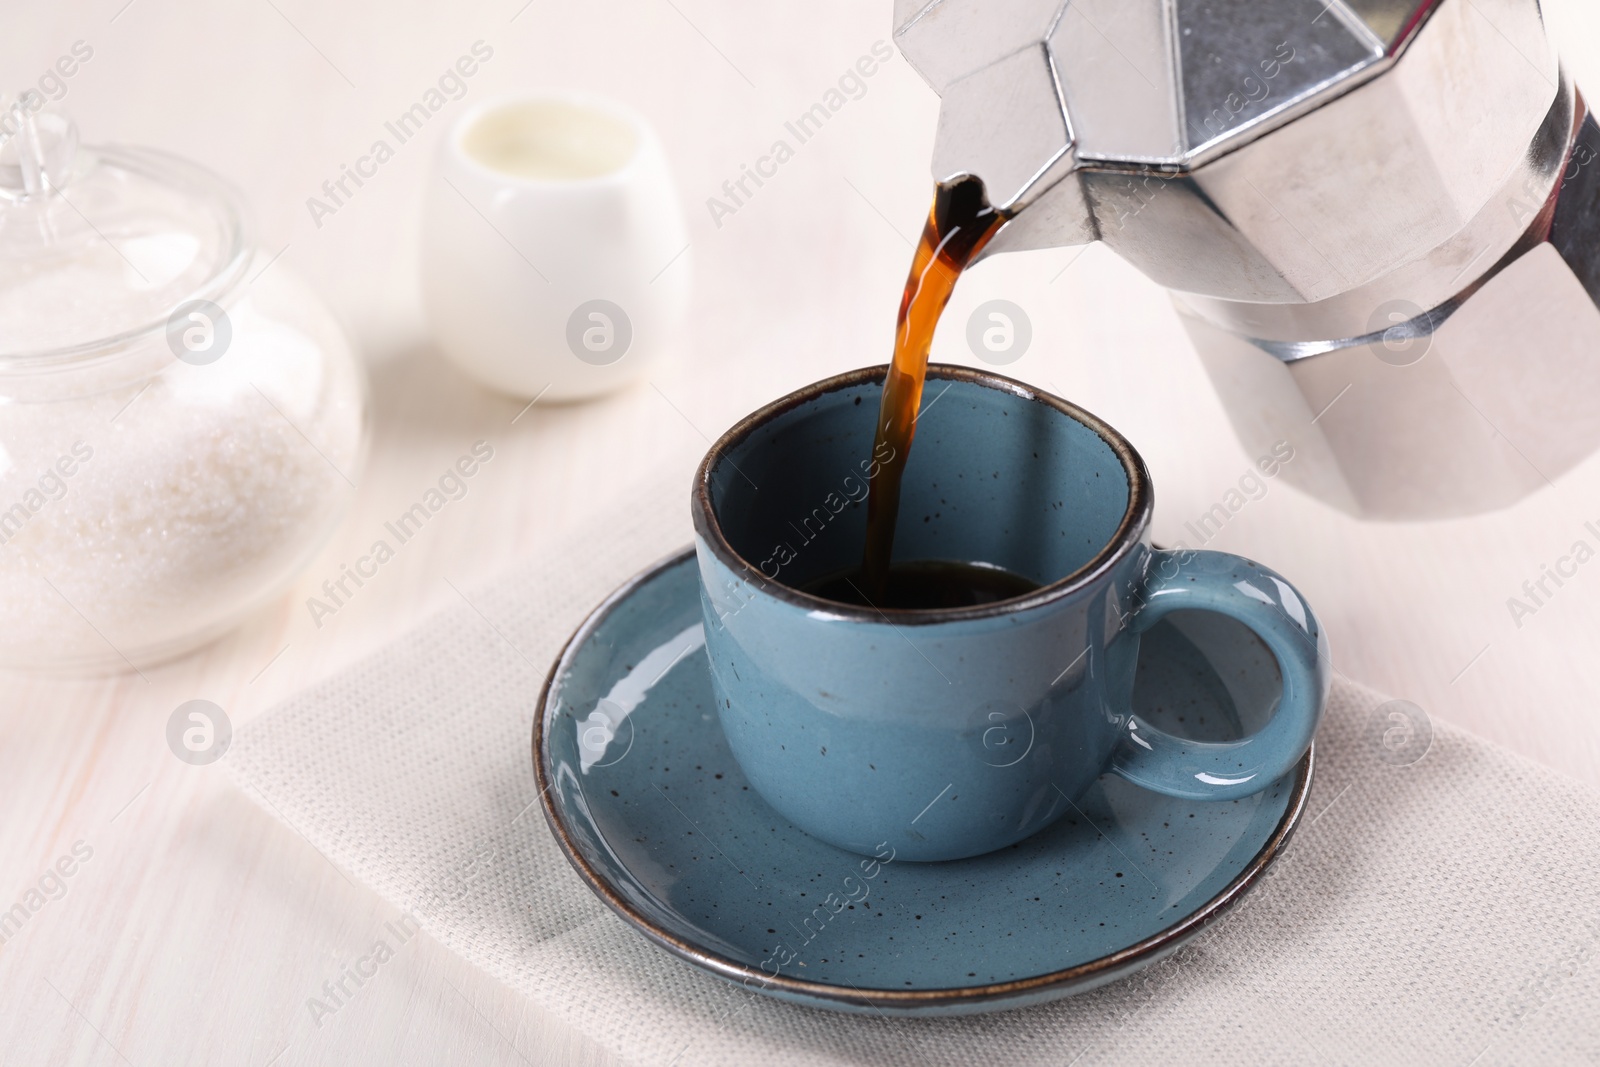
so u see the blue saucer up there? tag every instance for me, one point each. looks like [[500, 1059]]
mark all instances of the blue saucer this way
[[646, 801]]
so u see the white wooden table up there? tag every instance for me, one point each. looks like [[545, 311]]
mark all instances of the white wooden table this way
[[199, 927]]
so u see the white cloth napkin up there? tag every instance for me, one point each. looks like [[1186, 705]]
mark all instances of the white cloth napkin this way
[[1443, 912]]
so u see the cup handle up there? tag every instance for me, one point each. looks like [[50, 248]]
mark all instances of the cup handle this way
[[1232, 586]]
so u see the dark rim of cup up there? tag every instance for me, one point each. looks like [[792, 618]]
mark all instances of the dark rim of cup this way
[[1135, 520]]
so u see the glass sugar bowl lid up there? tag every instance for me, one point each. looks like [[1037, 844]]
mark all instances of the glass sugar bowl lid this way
[[98, 245], [180, 430]]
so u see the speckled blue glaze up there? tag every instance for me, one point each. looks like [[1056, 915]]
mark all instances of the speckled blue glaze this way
[[645, 796], [948, 734]]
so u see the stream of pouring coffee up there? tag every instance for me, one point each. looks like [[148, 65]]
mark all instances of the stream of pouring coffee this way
[[960, 223]]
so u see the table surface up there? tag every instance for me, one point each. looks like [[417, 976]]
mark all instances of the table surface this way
[[201, 926]]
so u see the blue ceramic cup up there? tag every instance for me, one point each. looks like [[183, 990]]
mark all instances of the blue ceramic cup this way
[[952, 732]]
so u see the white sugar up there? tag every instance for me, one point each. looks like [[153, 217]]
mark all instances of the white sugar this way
[[142, 518]]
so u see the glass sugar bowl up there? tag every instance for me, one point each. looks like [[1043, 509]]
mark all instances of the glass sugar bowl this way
[[182, 422]]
